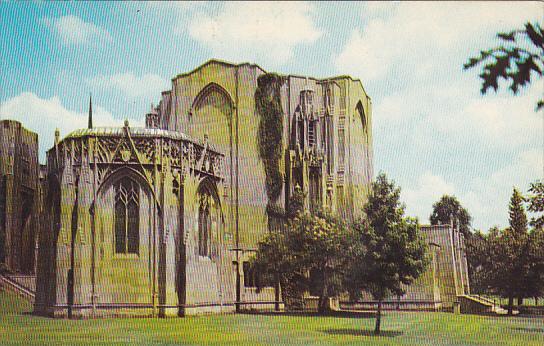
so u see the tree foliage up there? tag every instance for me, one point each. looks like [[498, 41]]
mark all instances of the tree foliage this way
[[535, 274], [477, 252], [448, 207], [517, 216], [507, 262], [512, 60], [391, 251], [536, 203], [308, 243], [317, 243]]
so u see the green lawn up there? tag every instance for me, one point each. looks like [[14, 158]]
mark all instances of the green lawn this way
[[404, 328]]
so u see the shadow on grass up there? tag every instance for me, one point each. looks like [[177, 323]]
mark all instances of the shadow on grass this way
[[528, 329], [362, 332], [337, 314]]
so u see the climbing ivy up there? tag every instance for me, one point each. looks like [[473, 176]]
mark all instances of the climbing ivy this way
[[270, 133]]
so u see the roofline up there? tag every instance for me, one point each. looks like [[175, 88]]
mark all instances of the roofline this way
[[20, 125], [217, 61], [231, 64], [118, 132]]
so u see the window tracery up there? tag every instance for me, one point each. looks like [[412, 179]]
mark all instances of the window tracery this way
[[127, 217]]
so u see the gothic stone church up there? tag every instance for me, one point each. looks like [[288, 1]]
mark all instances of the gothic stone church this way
[[162, 220]]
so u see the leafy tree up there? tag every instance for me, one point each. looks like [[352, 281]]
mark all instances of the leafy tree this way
[[535, 275], [273, 258], [448, 207], [309, 243], [477, 250], [391, 250], [316, 242], [509, 261], [507, 266], [512, 60], [536, 203]]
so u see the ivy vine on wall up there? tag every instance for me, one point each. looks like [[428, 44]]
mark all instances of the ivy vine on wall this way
[[270, 133]]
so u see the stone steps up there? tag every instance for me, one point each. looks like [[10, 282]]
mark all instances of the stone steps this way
[[488, 303], [15, 285]]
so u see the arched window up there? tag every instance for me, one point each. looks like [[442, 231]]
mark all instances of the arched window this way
[[204, 224], [362, 115], [127, 217]]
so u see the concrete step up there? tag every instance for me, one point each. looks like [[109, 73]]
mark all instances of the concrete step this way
[[496, 308], [9, 284]]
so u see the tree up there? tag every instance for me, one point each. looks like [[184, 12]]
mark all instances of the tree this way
[[448, 207], [512, 60], [535, 276], [536, 203], [273, 258], [316, 243], [516, 211], [390, 250], [310, 243], [477, 251], [518, 226], [509, 261]]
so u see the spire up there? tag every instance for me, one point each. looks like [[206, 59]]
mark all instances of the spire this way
[[90, 111]]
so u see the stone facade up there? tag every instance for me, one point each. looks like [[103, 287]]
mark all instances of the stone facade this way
[[199, 211], [134, 224], [326, 149], [19, 197]]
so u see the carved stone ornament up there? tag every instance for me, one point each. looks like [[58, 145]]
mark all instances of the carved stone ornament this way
[[126, 154]]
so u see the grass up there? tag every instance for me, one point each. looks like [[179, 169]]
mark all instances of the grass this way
[[17, 326]]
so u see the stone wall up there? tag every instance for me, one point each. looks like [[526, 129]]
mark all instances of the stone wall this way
[[165, 274], [19, 197]]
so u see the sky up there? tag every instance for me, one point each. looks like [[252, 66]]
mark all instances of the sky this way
[[434, 133]]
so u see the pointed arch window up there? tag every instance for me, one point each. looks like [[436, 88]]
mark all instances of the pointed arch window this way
[[127, 217], [204, 225]]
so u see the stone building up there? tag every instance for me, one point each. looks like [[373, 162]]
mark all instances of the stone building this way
[[151, 220], [325, 146], [135, 222], [19, 197], [444, 280]]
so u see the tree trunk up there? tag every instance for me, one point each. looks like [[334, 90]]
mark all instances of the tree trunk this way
[[520, 301], [323, 302], [277, 292], [378, 318], [510, 304], [324, 297]]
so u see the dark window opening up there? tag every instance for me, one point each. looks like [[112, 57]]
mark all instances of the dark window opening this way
[[127, 217], [204, 225]]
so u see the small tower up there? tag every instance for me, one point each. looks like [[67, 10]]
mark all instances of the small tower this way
[[90, 111]]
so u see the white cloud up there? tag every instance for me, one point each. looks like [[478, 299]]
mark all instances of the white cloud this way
[[414, 34], [131, 85], [74, 30], [420, 198], [495, 121], [487, 197], [256, 31], [43, 116]]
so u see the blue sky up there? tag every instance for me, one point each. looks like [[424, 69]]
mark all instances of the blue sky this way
[[433, 132]]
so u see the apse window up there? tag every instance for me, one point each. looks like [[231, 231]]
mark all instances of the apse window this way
[[204, 226], [127, 217]]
